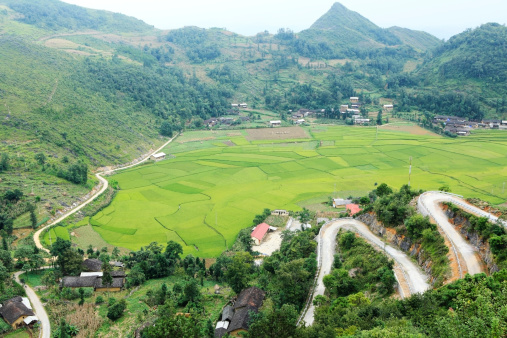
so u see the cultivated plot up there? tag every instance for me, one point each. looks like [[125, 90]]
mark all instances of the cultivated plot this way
[[216, 182]]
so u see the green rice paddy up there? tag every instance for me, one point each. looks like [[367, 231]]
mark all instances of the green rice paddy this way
[[203, 195]]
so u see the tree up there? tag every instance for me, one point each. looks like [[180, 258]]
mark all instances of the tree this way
[[5, 245], [135, 277], [81, 296], [4, 162], [274, 323], [115, 311], [116, 253], [69, 262], [4, 274], [383, 190], [238, 273], [166, 129], [48, 279], [169, 324], [416, 225], [379, 118], [6, 260], [292, 281], [304, 216], [41, 159], [173, 250], [191, 291], [33, 217]]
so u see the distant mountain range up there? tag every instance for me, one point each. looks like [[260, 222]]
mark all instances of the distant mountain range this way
[[98, 85]]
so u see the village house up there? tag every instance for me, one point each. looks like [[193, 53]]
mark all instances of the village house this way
[[361, 121], [275, 123], [280, 212], [344, 107], [243, 105], [236, 317], [158, 157], [340, 202], [259, 232], [234, 105], [18, 312], [94, 280], [493, 124], [92, 265], [354, 99], [388, 107], [300, 121], [448, 119], [210, 122]]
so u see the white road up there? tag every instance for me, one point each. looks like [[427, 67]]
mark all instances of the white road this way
[[417, 280], [104, 184], [429, 206], [38, 308]]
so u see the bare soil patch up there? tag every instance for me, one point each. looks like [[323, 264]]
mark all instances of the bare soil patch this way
[[282, 133], [229, 143], [411, 129]]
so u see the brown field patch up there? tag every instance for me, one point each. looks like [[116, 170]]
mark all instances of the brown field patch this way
[[283, 133], [61, 44], [411, 129]]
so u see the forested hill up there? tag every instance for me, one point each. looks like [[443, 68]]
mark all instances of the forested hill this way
[[56, 15], [99, 86], [348, 27], [476, 58]]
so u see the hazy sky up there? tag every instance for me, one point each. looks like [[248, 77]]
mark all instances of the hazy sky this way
[[442, 18]]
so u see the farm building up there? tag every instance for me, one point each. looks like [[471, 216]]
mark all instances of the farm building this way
[[361, 121], [280, 212], [275, 123], [234, 105], [354, 209], [337, 202], [243, 105], [157, 157], [235, 318], [92, 265], [300, 121], [94, 282], [354, 99], [388, 107], [344, 107], [17, 312], [259, 232]]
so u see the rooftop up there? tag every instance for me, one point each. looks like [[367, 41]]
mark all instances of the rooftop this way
[[13, 309], [260, 231]]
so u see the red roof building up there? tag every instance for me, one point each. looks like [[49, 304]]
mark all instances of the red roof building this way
[[259, 232], [354, 209]]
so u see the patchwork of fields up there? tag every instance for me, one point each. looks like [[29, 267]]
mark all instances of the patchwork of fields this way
[[217, 181]]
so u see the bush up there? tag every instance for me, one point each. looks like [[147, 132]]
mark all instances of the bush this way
[[99, 300], [116, 310]]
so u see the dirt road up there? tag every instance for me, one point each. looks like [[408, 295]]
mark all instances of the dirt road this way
[[414, 277], [428, 205], [37, 308]]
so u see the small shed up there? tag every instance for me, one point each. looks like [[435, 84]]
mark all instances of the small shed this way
[[275, 123], [158, 156], [388, 107], [280, 212], [259, 232], [354, 99], [228, 313]]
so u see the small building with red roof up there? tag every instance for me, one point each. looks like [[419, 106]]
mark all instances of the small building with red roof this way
[[354, 209], [260, 232]]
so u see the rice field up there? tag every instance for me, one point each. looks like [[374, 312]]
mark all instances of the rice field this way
[[216, 182]]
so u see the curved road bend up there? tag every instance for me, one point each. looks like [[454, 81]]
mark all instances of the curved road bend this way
[[413, 274], [37, 307], [430, 201], [104, 184], [34, 299]]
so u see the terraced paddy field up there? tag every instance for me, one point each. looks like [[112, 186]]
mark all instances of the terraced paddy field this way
[[216, 182]]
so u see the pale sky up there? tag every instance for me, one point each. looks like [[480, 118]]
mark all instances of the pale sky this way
[[442, 18]]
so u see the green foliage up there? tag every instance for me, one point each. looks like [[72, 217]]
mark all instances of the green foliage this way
[[393, 209], [274, 323], [417, 224], [170, 325], [56, 15], [115, 311], [239, 271]]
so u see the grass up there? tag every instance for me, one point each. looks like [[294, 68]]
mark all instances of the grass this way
[[33, 278], [205, 194]]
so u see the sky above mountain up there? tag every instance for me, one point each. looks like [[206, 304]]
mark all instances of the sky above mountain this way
[[442, 18]]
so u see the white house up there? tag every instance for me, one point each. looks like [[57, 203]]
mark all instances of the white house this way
[[157, 157], [275, 123]]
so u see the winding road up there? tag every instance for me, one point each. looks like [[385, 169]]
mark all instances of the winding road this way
[[413, 276], [468, 259], [34, 299], [37, 307]]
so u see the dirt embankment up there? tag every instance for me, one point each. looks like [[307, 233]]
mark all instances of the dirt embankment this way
[[462, 225], [402, 242]]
